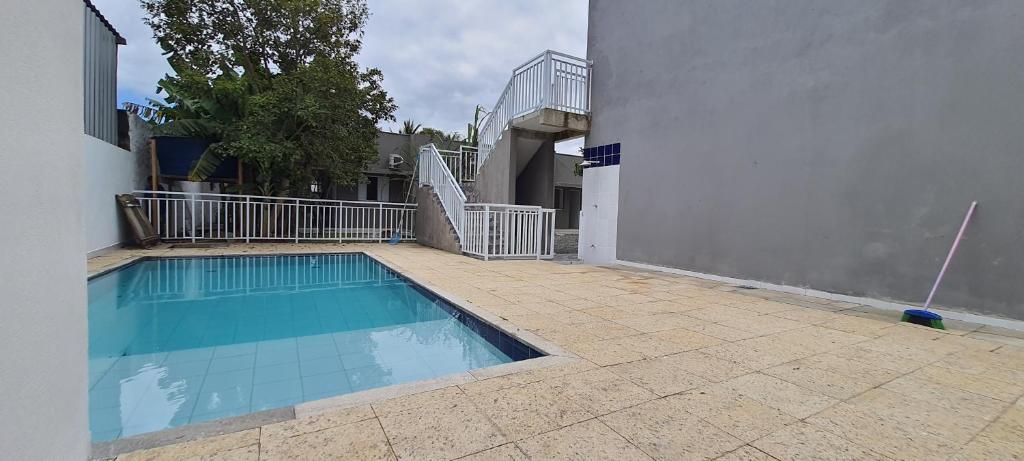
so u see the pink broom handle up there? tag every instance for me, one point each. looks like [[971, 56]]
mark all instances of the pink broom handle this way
[[949, 257]]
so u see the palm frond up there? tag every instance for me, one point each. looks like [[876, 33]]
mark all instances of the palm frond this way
[[206, 164]]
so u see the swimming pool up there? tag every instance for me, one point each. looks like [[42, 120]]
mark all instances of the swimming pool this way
[[174, 341]]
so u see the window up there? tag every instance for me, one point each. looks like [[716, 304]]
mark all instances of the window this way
[[559, 198], [371, 188]]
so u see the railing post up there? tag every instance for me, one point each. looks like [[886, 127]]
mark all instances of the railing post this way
[[540, 229], [245, 216], [297, 225], [192, 215], [487, 231], [547, 81], [337, 228], [380, 223]]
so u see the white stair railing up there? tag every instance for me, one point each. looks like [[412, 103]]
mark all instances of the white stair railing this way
[[462, 163], [202, 216], [434, 172], [550, 80]]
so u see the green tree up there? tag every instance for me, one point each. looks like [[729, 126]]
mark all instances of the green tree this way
[[273, 83]]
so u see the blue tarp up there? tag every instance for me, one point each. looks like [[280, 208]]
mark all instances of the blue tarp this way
[[177, 156]]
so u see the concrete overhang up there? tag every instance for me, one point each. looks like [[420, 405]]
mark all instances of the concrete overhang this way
[[563, 125]]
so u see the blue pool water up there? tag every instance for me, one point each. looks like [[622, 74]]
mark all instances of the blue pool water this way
[[178, 341]]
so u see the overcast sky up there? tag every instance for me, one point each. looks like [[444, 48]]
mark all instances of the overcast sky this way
[[440, 58]]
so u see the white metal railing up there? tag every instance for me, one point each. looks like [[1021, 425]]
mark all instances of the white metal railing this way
[[462, 163], [200, 216], [549, 80], [509, 231], [434, 172]]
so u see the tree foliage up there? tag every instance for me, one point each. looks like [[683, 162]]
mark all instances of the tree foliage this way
[[273, 83]]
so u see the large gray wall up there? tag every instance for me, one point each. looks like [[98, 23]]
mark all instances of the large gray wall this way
[[829, 144], [43, 413]]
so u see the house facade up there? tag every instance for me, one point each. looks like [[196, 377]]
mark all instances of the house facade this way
[[812, 144]]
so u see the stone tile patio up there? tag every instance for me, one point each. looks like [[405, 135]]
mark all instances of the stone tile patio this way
[[667, 367]]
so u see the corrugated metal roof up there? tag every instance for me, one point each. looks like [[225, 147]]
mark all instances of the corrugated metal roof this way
[[120, 39]]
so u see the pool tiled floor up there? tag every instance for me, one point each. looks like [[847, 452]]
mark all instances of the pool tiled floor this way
[[668, 367]]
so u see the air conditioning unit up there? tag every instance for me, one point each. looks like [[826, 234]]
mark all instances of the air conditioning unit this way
[[395, 160]]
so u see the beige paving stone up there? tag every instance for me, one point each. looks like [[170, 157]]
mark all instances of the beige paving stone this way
[[705, 366], [978, 384], [762, 306], [317, 422], [985, 448], [521, 413], [587, 441], [823, 381], [688, 340], [598, 391], [745, 453], [664, 431], [910, 347], [666, 307], [802, 441], [605, 329], [722, 332], [660, 375], [880, 359], [202, 449], [740, 416], [763, 324], [506, 452], [883, 435], [659, 344], [818, 339], [627, 300], [410, 402], [659, 322], [946, 423], [362, 440], [534, 322], [987, 364], [613, 313], [776, 393], [719, 314], [581, 303], [439, 431], [858, 326], [854, 370], [963, 402], [566, 335], [758, 353], [606, 352], [807, 316], [517, 379]]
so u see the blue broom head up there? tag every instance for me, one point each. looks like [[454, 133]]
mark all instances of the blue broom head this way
[[395, 238], [923, 317]]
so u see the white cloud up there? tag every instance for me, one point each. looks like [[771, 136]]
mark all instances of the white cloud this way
[[439, 58]]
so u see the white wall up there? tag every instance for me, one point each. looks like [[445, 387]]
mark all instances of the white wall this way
[[43, 412], [109, 170], [599, 215]]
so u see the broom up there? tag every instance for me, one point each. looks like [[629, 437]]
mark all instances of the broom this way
[[924, 316], [396, 236]]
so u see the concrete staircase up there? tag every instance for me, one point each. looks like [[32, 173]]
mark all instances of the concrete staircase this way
[[497, 198]]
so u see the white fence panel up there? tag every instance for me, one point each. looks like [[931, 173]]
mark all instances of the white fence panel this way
[[200, 216]]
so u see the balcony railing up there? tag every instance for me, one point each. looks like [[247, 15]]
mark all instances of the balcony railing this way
[[550, 80]]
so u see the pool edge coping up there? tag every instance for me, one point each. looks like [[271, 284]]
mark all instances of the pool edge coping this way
[[555, 355]]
